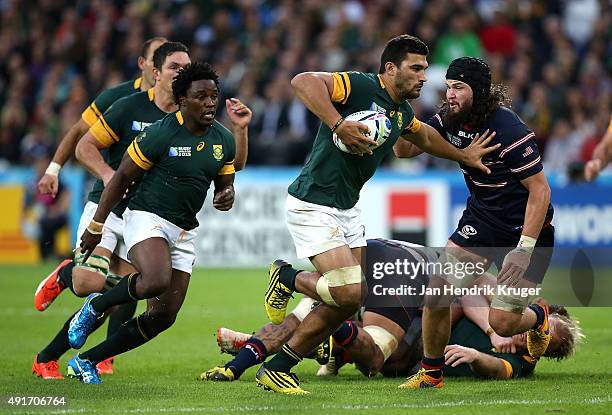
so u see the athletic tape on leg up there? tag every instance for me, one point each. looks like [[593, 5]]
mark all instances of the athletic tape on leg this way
[[302, 308], [386, 342], [95, 263], [449, 261], [337, 278], [512, 303]]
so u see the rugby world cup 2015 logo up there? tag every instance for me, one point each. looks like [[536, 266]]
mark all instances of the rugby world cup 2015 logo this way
[[218, 151]]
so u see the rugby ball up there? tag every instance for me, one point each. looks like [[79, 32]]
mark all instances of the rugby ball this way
[[379, 127]]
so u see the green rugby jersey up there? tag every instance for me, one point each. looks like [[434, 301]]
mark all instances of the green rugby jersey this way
[[118, 127], [106, 98], [180, 168], [334, 178], [468, 334]]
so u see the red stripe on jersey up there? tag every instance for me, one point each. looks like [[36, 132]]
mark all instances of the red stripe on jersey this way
[[516, 144]]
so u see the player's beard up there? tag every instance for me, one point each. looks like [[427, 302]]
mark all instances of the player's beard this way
[[406, 94], [453, 118]]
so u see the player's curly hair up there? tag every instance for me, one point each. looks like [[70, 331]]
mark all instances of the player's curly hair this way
[[195, 71], [498, 96], [568, 330]]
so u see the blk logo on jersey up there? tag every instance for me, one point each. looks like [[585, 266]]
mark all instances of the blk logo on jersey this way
[[466, 134], [179, 152], [467, 231]]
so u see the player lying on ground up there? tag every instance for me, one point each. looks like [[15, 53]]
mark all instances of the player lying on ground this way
[[182, 154], [101, 271], [388, 339], [507, 220]]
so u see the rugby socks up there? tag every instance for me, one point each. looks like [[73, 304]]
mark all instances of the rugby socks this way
[[123, 292], [122, 314], [287, 276], [129, 336], [252, 353], [346, 333], [433, 366], [59, 345], [110, 281], [539, 311], [284, 360], [65, 275]]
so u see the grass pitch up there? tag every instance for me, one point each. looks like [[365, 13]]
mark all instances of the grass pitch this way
[[160, 376]]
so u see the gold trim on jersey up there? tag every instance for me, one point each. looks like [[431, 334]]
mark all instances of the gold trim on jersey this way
[[103, 133], [380, 81], [91, 114], [137, 83], [507, 367], [179, 117], [414, 126], [151, 94], [137, 157], [228, 168], [342, 87]]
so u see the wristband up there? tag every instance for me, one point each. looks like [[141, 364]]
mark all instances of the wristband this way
[[337, 124], [526, 242], [95, 228], [490, 331], [53, 169]]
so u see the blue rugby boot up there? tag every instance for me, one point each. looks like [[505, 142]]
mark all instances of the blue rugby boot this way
[[84, 370], [82, 323]]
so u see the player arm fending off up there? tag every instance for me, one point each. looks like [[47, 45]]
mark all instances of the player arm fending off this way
[[316, 91], [420, 137]]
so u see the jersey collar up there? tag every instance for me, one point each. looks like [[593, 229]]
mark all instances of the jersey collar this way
[[137, 83], [151, 94]]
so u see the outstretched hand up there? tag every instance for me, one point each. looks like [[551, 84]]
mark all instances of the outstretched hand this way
[[478, 149], [239, 114]]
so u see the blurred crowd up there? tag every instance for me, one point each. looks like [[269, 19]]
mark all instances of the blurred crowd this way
[[555, 56]]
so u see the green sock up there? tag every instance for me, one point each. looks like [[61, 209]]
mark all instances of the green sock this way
[[284, 360]]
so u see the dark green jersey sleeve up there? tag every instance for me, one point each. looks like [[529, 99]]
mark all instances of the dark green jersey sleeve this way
[[229, 153], [111, 125], [149, 147], [348, 86], [106, 98], [516, 365]]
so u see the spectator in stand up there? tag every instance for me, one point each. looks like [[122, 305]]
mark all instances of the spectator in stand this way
[[56, 54]]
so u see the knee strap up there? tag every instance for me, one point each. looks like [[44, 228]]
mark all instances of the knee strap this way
[[337, 278], [95, 263], [386, 342]]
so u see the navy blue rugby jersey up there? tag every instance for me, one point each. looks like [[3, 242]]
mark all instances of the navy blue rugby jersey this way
[[499, 198]]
